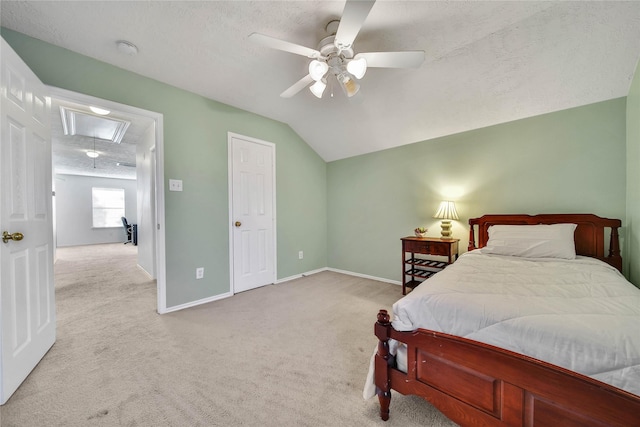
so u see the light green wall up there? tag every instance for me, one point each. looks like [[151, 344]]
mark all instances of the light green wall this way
[[571, 161], [350, 214], [195, 150], [632, 247]]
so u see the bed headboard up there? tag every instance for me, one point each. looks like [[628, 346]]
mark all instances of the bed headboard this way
[[589, 234]]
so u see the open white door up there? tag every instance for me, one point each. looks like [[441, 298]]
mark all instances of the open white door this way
[[27, 317], [252, 192]]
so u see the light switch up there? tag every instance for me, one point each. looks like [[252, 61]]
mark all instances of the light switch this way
[[175, 185]]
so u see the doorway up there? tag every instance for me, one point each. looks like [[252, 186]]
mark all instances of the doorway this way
[[148, 171]]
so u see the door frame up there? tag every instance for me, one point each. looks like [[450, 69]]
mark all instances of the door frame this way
[[158, 153], [272, 146]]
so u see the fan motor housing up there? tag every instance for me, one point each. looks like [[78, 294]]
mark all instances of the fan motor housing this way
[[328, 48]]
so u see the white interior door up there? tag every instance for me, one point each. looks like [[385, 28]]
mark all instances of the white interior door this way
[[252, 193], [27, 318]]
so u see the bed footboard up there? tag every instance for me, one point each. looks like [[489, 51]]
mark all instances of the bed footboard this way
[[476, 384]]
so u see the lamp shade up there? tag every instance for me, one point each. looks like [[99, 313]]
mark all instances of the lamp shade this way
[[446, 210], [317, 69], [357, 67], [349, 86], [318, 88]]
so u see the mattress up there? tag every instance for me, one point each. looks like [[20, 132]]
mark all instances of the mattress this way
[[580, 314]]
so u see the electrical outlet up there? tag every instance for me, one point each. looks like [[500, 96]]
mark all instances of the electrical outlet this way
[[300, 255], [199, 272], [175, 185]]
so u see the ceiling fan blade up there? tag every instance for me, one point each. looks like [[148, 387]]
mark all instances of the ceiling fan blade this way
[[408, 59], [297, 87], [274, 43], [353, 16]]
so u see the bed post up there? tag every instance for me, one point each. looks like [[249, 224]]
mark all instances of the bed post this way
[[382, 381], [472, 240], [614, 249]]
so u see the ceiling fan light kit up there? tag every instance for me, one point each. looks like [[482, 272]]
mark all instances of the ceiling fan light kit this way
[[348, 85], [335, 54], [357, 67], [318, 69], [318, 88]]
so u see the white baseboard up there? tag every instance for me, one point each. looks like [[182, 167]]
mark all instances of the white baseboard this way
[[145, 272], [285, 279], [198, 302], [298, 276], [365, 276]]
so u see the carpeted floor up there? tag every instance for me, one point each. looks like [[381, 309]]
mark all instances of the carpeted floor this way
[[292, 354]]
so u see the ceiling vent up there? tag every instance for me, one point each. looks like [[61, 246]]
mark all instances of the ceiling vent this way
[[76, 122]]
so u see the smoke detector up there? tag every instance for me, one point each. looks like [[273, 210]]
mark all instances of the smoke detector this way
[[126, 47]]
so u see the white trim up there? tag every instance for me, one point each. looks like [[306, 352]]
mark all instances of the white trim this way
[[299, 276], [144, 271], [158, 118], [335, 270], [365, 276], [161, 267], [198, 302], [230, 136], [279, 281]]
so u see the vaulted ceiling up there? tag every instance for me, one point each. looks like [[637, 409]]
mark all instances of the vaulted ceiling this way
[[486, 62]]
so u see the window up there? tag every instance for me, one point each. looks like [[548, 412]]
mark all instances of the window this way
[[108, 207]]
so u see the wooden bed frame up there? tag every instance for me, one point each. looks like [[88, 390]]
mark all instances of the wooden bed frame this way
[[476, 384]]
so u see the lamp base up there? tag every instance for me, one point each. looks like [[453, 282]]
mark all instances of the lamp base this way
[[446, 229]]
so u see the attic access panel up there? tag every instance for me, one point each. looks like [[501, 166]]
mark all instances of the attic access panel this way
[[75, 122]]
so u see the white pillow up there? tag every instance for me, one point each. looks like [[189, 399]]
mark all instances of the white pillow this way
[[532, 241]]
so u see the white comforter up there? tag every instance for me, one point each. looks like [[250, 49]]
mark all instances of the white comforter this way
[[580, 314]]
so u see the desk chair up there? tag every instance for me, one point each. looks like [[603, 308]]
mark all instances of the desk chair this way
[[128, 228]]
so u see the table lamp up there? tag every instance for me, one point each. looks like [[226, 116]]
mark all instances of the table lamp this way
[[446, 212]]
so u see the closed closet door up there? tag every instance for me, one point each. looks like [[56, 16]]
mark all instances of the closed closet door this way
[[253, 213]]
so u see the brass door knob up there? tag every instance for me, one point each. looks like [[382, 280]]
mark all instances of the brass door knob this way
[[6, 236], [238, 224]]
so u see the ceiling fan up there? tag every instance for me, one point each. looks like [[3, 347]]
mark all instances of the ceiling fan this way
[[334, 58]]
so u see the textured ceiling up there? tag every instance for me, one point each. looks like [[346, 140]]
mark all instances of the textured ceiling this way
[[486, 62], [70, 151]]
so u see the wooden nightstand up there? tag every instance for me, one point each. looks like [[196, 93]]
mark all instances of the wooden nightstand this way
[[416, 269]]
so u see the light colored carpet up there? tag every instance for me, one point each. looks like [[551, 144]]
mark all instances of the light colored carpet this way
[[292, 354]]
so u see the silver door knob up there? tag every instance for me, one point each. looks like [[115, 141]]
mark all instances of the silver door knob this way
[[6, 236]]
